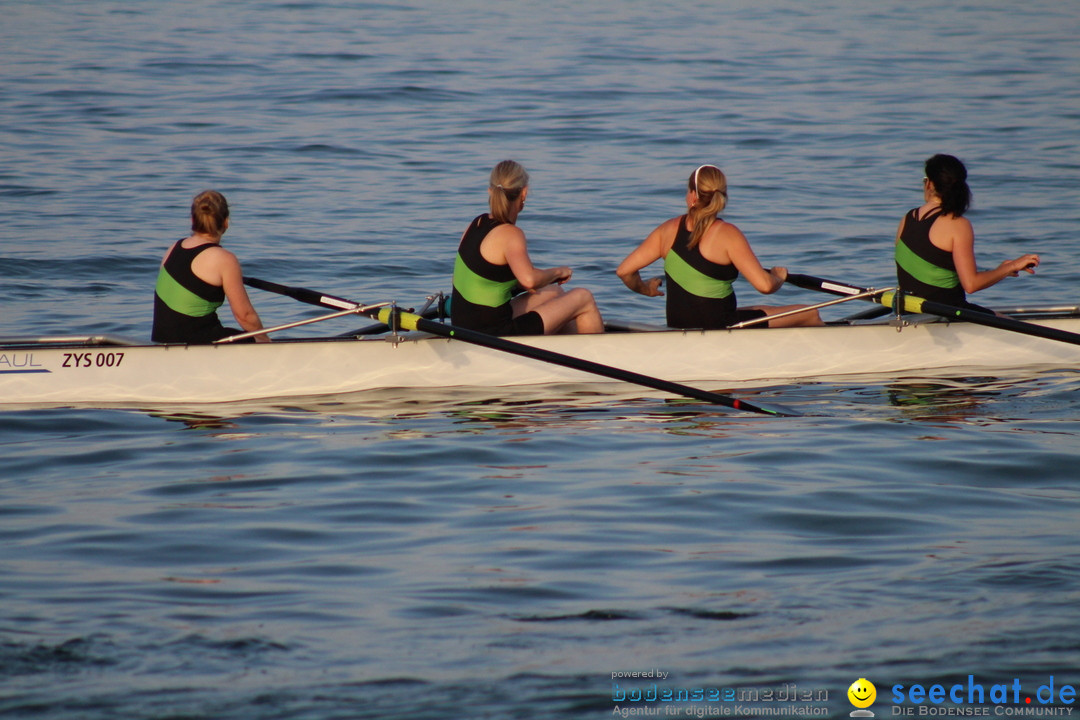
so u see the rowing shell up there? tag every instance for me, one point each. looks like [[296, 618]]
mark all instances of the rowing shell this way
[[80, 371]]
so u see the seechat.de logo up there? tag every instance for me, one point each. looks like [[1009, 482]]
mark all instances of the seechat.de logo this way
[[862, 694]]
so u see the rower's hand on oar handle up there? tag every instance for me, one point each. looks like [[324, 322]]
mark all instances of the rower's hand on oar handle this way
[[1027, 263], [780, 274]]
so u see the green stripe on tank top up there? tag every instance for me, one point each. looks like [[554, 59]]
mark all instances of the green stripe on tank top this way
[[180, 299], [694, 281], [479, 290], [923, 270]]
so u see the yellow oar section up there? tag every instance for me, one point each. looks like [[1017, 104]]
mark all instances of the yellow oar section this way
[[914, 304], [405, 320]]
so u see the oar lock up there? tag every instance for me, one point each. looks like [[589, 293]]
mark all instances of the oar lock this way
[[898, 320], [394, 324], [392, 315]]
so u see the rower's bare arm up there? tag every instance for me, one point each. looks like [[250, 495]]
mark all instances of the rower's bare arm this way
[[528, 275], [742, 256], [232, 282], [629, 270], [971, 278]]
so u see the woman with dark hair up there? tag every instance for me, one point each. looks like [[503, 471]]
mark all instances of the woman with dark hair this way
[[702, 255], [497, 289], [195, 278], [935, 243]]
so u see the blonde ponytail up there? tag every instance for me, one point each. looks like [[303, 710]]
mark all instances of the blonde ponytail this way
[[711, 187], [508, 180]]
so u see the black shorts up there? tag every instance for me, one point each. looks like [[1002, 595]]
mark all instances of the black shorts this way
[[744, 314], [529, 323], [725, 320]]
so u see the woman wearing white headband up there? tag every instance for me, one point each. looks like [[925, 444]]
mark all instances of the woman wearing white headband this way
[[702, 255]]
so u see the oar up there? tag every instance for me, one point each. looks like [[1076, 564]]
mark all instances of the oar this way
[[356, 310], [915, 304], [438, 311], [809, 282], [411, 321], [799, 311]]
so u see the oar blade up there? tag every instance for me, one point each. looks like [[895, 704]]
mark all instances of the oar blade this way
[[775, 409]]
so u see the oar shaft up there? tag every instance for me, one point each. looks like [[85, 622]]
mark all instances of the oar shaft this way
[[809, 282], [808, 308], [410, 321], [915, 304], [355, 310], [950, 312], [302, 294]]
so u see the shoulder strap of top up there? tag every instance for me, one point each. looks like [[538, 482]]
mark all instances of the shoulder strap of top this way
[[928, 217]]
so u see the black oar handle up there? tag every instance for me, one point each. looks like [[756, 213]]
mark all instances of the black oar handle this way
[[302, 294], [809, 282]]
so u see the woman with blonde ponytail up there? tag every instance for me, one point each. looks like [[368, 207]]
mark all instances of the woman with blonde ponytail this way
[[497, 289], [702, 255], [195, 278]]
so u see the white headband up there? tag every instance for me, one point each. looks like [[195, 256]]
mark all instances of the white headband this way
[[697, 172]]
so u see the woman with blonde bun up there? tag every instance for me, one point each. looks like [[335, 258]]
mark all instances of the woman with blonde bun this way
[[497, 289]]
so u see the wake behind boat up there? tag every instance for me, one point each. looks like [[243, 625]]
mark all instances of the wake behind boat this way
[[106, 370]]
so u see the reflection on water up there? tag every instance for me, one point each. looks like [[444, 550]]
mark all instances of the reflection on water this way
[[959, 398], [196, 421], [957, 401]]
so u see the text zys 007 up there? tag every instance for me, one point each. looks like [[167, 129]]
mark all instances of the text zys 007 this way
[[89, 359]]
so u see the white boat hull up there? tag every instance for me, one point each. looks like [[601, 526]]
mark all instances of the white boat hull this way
[[149, 374]]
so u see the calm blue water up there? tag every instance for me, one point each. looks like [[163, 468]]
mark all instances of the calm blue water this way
[[462, 555]]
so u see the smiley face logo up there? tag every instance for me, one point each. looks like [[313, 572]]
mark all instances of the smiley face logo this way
[[862, 693]]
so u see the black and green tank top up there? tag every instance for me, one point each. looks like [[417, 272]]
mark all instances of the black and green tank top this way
[[482, 290], [699, 291], [922, 268], [185, 306]]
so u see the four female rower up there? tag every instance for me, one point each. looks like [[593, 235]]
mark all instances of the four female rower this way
[[702, 255], [196, 277], [935, 244], [497, 289]]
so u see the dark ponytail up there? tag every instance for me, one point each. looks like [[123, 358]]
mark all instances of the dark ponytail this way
[[949, 178]]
